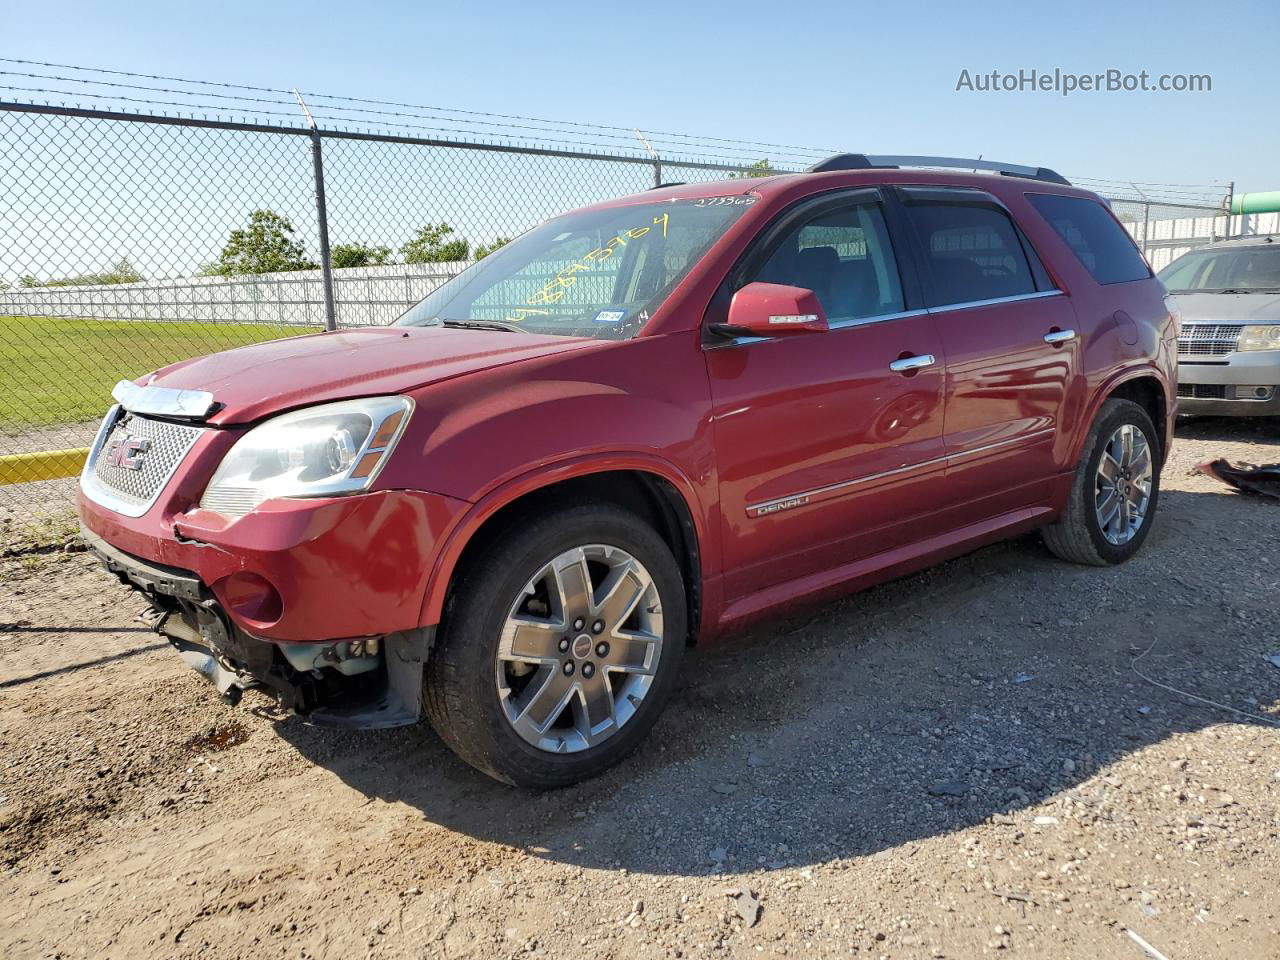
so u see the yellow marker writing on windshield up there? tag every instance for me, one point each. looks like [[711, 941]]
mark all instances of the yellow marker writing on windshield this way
[[553, 290]]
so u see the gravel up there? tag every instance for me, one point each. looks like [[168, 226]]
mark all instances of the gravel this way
[[961, 763]]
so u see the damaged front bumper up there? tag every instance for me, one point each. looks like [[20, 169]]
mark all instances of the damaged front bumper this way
[[361, 682]]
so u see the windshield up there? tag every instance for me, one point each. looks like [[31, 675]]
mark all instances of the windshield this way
[[1244, 270], [593, 273]]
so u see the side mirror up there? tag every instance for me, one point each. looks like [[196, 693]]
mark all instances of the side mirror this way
[[772, 310]]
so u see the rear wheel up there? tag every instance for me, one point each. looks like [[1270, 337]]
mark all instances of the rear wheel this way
[[1115, 490], [558, 647]]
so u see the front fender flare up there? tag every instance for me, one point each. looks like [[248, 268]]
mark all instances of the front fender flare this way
[[545, 475]]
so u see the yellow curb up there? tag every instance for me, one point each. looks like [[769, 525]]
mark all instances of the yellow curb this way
[[46, 465]]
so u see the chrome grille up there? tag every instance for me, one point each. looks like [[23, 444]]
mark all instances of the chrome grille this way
[[132, 491], [1208, 339]]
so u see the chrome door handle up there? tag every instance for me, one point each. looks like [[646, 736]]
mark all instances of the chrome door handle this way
[[1059, 336], [907, 364]]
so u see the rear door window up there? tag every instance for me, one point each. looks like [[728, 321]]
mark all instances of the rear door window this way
[[972, 250], [1094, 236]]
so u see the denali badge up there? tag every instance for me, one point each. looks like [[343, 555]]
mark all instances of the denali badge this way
[[778, 505], [127, 453]]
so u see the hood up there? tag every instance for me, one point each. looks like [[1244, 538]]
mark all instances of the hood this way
[[265, 378], [1228, 307]]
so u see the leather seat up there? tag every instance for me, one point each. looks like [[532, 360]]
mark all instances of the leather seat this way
[[855, 291], [815, 270]]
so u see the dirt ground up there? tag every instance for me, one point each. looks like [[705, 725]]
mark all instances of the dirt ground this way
[[967, 762]]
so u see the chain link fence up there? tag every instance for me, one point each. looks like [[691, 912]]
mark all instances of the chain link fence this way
[[131, 241], [1165, 231]]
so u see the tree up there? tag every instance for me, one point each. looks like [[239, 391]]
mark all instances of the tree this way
[[265, 246], [483, 251], [761, 168], [430, 246], [358, 255], [122, 271]]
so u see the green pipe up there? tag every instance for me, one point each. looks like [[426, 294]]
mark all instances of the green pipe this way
[[1256, 202]]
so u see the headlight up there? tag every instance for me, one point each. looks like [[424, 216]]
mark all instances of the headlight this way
[[323, 451], [1260, 338]]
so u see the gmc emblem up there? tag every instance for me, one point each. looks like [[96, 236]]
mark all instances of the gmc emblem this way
[[127, 453]]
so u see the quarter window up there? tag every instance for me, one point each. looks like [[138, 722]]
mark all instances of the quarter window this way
[[843, 255], [971, 247], [1094, 236]]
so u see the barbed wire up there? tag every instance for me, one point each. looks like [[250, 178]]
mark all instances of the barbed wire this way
[[1136, 187], [450, 121], [669, 158], [629, 138], [1207, 200], [147, 76], [292, 114], [628, 133], [1149, 183]]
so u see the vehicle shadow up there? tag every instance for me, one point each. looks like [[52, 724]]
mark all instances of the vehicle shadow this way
[[980, 688], [1230, 429]]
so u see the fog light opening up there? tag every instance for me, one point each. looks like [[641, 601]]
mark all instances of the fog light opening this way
[[250, 597]]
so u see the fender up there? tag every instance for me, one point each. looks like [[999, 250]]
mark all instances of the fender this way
[[1133, 371], [545, 475]]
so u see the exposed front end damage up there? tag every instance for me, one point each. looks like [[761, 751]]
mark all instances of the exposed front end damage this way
[[361, 682]]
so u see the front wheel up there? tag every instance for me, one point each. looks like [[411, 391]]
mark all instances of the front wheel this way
[[1115, 490], [558, 647]]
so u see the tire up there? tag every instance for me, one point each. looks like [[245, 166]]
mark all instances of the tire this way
[[1078, 534], [473, 690]]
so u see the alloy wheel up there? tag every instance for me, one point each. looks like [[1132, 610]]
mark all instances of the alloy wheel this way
[[1122, 484], [579, 648]]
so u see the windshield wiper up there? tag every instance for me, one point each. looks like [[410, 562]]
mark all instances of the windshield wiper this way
[[481, 325]]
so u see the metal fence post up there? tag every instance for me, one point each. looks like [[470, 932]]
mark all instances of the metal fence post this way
[[1146, 231], [322, 218], [657, 160], [1231, 195]]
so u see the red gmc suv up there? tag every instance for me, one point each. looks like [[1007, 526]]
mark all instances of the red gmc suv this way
[[640, 425]]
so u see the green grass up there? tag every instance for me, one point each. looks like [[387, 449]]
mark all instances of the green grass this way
[[34, 536], [56, 370]]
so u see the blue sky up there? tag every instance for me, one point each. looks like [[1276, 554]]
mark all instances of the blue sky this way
[[879, 77]]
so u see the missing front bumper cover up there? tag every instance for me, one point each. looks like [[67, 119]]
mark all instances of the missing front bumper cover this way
[[362, 683]]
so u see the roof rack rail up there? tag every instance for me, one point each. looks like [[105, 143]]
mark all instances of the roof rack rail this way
[[669, 183], [862, 161]]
